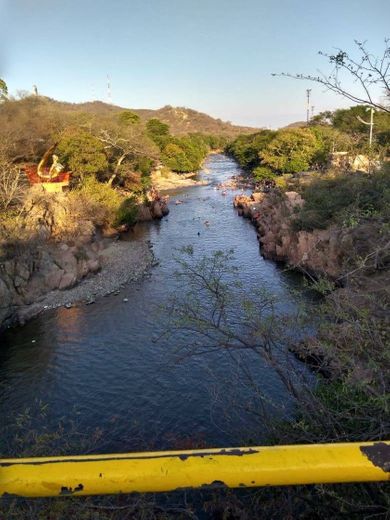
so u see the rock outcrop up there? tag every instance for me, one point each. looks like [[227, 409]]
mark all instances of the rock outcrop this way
[[31, 274], [59, 248], [319, 251]]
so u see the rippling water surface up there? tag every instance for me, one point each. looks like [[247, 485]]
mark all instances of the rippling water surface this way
[[100, 367]]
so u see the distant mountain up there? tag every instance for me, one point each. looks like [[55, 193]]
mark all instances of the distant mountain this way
[[297, 124], [181, 120]]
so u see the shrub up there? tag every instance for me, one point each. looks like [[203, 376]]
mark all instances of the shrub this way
[[263, 173], [144, 165], [282, 181], [11, 184], [345, 196], [329, 140], [127, 213], [100, 201]]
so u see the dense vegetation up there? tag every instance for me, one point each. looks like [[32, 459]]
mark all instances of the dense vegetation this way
[[344, 200], [182, 154], [292, 150], [349, 353], [110, 151], [99, 141]]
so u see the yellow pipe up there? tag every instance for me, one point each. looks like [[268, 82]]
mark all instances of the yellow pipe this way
[[167, 471]]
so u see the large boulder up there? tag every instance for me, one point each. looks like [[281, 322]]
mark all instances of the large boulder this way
[[156, 210], [144, 214]]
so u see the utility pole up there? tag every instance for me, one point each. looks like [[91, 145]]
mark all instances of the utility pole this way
[[308, 91], [312, 111], [370, 123], [109, 95]]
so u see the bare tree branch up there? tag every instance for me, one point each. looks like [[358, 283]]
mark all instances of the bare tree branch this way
[[368, 71]]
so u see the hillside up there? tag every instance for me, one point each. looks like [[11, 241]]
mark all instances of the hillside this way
[[296, 124], [180, 119], [184, 120]]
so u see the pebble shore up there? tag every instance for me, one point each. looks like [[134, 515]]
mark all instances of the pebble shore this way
[[122, 262]]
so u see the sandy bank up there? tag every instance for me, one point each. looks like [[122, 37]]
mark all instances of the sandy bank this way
[[175, 180]]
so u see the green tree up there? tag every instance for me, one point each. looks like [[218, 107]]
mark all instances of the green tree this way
[[158, 132], [175, 158], [83, 153], [246, 148], [127, 117], [125, 145], [323, 119], [290, 151], [348, 121]]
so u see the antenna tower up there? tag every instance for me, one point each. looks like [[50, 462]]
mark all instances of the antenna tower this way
[[109, 94]]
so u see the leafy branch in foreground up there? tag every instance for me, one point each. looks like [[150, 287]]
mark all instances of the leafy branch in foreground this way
[[367, 72], [349, 404]]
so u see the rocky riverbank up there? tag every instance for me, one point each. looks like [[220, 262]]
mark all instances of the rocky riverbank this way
[[319, 252], [62, 275], [353, 264], [59, 257]]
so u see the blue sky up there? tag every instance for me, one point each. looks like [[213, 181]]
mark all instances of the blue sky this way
[[215, 56]]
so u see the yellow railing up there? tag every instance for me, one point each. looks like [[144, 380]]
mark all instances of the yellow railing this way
[[168, 471]]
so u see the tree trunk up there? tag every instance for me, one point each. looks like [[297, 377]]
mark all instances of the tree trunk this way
[[113, 176]]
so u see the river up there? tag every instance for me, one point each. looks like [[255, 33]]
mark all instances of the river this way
[[99, 367]]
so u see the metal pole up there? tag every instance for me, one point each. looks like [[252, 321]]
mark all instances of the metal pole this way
[[371, 125], [168, 471], [109, 93], [308, 105]]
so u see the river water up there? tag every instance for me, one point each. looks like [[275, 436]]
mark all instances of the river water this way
[[99, 366]]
